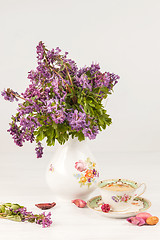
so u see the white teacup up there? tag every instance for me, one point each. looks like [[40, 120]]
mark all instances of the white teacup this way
[[119, 193]]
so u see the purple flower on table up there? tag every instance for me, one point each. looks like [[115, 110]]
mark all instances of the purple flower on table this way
[[44, 220], [89, 180], [94, 172]]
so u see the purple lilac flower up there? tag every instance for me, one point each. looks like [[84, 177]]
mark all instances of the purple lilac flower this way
[[94, 68], [17, 134], [39, 150], [77, 120], [56, 111], [34, 76], [40, 51], [50, 106], [45, 220], [48, 100], [55, 85], [101, 80], [113, 79], [23, 211], [42, 219], [91, 133], [9, 95], [72, 69], [45, 72], [58, 116], [28, 125], [53, 54], [84, 82], [32, 91], [97, 78]]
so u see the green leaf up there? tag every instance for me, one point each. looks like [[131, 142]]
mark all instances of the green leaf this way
[[81, 136], [8, 204], [50, 141], [2, 208], [40, 136], [15, 206], [16, 218]]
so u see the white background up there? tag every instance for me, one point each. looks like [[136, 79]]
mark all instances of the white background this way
[[123, 37]]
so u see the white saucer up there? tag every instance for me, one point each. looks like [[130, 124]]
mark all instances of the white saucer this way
[[138, 205]]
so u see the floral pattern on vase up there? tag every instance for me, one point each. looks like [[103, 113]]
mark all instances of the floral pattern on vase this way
[[51, 168], [88, 172]]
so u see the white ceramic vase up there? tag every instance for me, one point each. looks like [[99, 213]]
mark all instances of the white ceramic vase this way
[[72, 172]]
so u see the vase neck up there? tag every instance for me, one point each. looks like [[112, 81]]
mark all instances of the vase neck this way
[[75, 141]]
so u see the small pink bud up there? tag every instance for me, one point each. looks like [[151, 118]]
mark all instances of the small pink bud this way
[[79, 203]]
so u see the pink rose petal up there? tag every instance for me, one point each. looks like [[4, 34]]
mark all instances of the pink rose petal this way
[[79, 203], [136, 221], [80, 166]]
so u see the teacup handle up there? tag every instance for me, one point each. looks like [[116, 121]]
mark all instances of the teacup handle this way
[[143, 186]]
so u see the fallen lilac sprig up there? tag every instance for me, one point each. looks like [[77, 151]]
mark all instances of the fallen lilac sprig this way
[[18, 213]]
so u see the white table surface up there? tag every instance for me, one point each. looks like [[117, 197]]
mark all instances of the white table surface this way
[[22, 181]]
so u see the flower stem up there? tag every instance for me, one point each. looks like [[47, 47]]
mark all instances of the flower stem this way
[[67, 86], [17, 95]]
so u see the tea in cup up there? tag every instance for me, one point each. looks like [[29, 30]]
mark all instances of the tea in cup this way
[[119, 193]]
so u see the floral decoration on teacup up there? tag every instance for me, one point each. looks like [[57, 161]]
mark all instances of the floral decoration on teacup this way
[[119, 193]]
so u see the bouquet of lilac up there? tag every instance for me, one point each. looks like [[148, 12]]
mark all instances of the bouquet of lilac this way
[[61, 101]]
